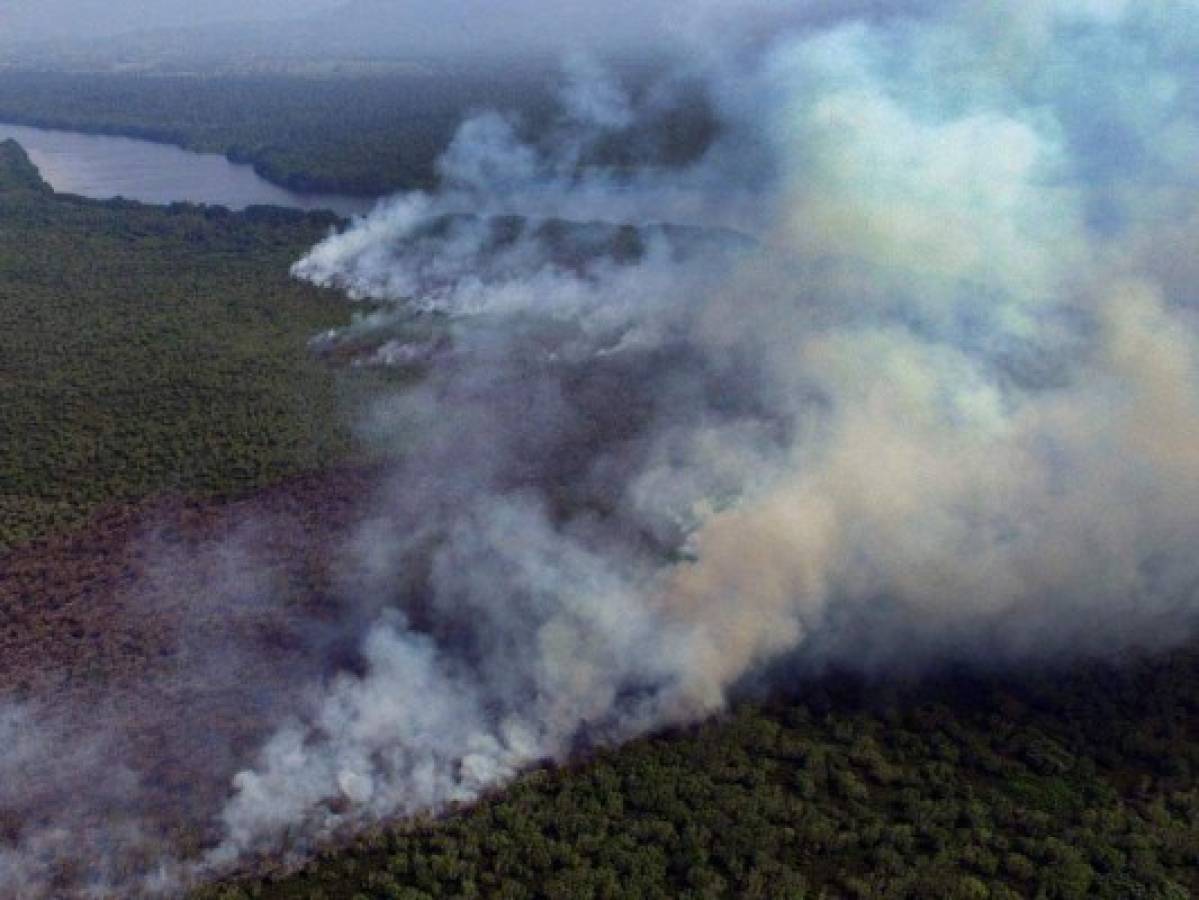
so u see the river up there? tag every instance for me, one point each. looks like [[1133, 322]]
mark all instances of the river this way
[[102, 167]]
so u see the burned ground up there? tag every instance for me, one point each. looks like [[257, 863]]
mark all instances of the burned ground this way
[[142, 637]]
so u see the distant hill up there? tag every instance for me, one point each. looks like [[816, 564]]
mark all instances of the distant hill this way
[[16, 170]]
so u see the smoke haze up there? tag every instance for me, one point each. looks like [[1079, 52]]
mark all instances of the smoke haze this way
[[928, 401], [902, 372]]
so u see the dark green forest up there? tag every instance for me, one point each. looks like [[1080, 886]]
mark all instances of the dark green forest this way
[[1067, 784], [152, 349], [149, 350], [364, 135]]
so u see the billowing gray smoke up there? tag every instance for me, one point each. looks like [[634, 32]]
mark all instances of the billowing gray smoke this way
[[934, 398], [902, 371]]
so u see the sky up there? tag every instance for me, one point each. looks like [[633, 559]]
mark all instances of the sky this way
[[408, 27], [87, 19]]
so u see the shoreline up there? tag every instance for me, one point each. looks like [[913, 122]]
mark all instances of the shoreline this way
[[343, 204], [234, 155]]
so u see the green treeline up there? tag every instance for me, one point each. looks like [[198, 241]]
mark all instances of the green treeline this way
[[148, 349], [366, 134], [17, 173], [1070, 785]]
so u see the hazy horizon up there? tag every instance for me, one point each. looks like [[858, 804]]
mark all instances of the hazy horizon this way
[[138, 30], [28, 21]]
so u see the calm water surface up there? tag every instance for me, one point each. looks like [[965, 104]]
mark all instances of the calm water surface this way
[[101, 167]]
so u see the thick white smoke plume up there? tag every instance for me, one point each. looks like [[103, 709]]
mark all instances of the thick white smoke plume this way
[[910, 377], [902, 370]]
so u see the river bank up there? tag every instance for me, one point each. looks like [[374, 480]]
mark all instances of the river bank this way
[[103, 166]]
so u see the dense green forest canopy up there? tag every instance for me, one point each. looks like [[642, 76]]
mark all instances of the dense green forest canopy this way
[[363, 134], [1068, 784], [155, 349], [148, 349]]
